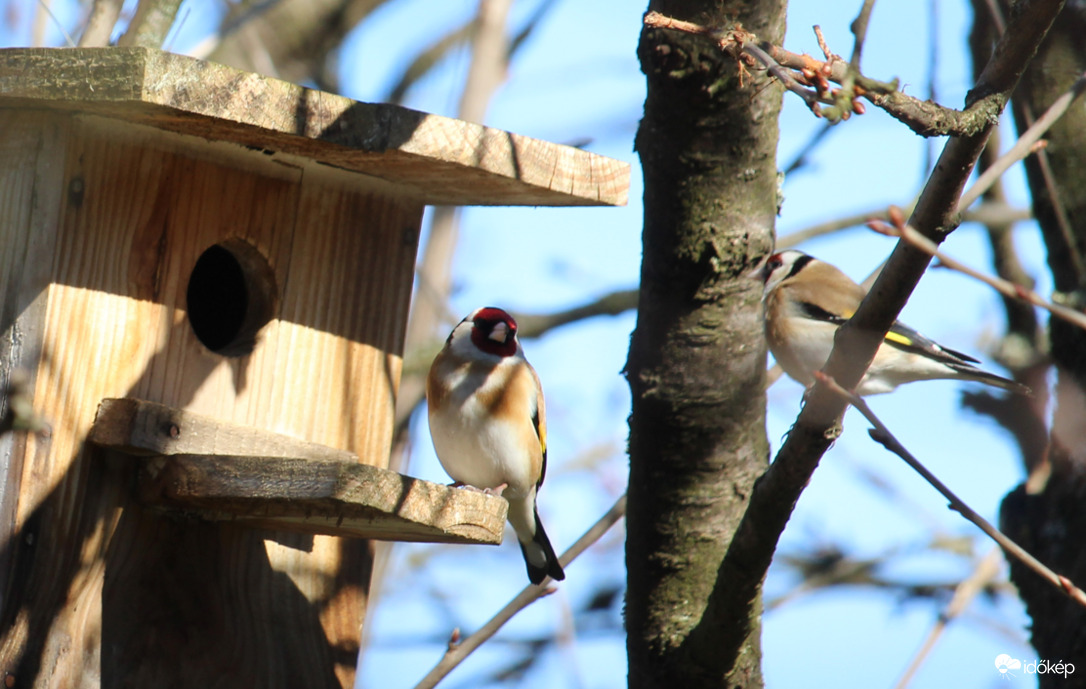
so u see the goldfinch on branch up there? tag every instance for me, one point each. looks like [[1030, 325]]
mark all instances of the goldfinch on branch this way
[[489, 427], [807, 300]]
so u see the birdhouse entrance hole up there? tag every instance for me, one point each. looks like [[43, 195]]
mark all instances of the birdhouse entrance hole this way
[[231, 296]]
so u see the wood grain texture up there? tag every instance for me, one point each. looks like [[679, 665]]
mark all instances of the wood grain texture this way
[[139, 427], [31, 180], [236, 473], [437, 160], [314, 496], [98, 589]]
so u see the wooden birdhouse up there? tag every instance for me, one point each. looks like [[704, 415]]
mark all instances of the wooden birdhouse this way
[[204, 278]]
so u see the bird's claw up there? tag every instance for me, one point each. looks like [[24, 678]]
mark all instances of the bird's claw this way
[[496, 490]]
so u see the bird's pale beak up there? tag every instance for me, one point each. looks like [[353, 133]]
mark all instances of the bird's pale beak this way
[[499, 333], [760, 272]]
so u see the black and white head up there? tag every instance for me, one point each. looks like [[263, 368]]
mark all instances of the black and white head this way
[[489, 330], [781, 266]]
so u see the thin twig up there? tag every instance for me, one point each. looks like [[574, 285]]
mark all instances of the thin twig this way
[[1059, 212], [1023, 343], [457, 652], [882, 435], [772, 375], [615, 303], [44, 4], [801, 157], [984, 573], [996, 15], [986, 213], [859, 30], [822, 44], [932, 85], [1004, 287], [1025, 145], [809, 97]]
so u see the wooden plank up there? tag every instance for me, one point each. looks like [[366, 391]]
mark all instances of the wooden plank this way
[[325, 497], [435, 159], [223, 471], [32, 151], [140, 427]]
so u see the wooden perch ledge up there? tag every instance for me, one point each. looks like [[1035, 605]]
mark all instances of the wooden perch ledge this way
[[219, 471]]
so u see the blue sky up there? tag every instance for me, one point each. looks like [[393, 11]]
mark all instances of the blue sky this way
[[578, 78]]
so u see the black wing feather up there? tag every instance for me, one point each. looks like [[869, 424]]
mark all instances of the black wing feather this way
[[900, 337]]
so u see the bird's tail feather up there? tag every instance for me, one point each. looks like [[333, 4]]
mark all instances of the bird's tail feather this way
[[540, 557], [981, 376]]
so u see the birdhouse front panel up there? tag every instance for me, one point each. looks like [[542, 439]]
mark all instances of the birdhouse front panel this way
[[259, 290]]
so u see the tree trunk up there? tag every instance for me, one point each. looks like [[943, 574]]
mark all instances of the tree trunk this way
[[696, 365], [1047, 515]]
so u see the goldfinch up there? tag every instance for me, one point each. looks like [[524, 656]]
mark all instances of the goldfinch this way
[[807, 300], [489, 427]]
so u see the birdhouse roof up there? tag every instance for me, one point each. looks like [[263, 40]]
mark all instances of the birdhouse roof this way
[[438, 160]]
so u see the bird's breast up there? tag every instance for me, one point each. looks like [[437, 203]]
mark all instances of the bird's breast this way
[[482, 449]]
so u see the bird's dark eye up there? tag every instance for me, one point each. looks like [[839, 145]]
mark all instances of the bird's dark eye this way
[[774, 262]]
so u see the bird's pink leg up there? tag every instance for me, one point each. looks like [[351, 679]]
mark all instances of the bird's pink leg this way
[[496, 490]]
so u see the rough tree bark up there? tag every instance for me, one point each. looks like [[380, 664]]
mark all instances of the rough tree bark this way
[[696, 365], [1047, 514]]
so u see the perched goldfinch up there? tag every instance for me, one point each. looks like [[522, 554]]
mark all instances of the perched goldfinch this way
[[489, 426], [807, 300]]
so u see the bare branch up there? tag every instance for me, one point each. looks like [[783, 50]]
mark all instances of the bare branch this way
[[882, 435], [151, 24], [611, 304], [1026, 144], [932, 82], [428, 58], [986, 213], [1004, 287], [983, 574], [425, 60], [1024, 113], [457, 652], [923, 117], [103, 17], [859, 30], [801, 158], [811, 98], [39, 24], [1024, 342]]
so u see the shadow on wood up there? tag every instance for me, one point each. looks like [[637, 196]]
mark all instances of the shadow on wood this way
[[223, 472]]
